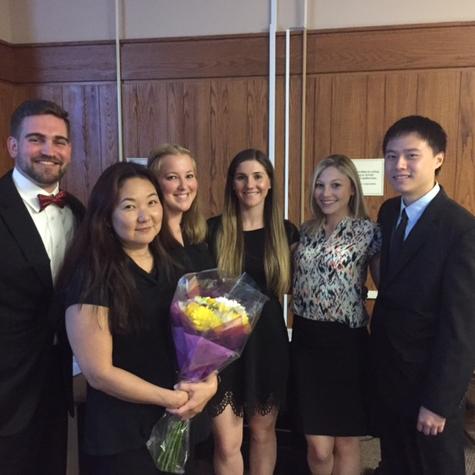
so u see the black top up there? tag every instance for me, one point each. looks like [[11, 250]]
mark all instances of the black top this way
[[113, 425], [194, 257], [254, 248]]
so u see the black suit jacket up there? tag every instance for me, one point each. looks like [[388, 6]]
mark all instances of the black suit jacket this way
[[423, 326], [30, 314]]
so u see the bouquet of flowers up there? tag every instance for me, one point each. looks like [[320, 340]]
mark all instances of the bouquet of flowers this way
[[211, 317]]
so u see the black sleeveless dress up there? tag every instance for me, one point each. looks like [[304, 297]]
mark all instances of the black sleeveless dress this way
[[257, 381]]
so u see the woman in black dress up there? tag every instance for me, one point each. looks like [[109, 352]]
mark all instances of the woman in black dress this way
[[118, 282], [185, 233], [251, 236], [329, 339]]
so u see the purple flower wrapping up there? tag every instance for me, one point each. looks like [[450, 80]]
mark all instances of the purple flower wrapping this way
[[200, 352], [197, 356]]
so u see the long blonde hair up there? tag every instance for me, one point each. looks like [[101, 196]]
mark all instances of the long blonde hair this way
[[230, 238], [193, 223], [357, 203]]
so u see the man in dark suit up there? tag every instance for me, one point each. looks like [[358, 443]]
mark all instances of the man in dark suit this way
[[423, 326], [37, 222]]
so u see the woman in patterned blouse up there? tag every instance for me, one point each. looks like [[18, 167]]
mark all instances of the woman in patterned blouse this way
[[329, 341]]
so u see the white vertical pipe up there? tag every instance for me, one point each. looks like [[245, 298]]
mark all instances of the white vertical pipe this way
[[272, 49], [287, 124], [286, 146], [118, 81], [304, 114]]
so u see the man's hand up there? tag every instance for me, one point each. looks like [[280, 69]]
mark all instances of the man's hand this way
[[429, 422], [199, 394]]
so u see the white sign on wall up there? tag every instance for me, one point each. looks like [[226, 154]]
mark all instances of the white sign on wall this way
[[371, 173]]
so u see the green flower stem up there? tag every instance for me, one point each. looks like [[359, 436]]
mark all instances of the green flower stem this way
[[171, 457]]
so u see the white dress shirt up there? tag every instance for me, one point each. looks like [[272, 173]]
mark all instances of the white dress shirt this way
[[414, 210], [55, 225]]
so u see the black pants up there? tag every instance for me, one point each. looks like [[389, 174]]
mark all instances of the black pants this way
[[405, 450], [40, 449]]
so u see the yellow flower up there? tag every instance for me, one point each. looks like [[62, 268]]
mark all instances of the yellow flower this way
[[201, 317], [207, 313]]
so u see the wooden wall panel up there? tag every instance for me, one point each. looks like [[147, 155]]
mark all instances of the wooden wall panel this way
[[375, 129], [201, 57], [319, 119], [10, 97], [215, 118], [464, 161], [348, 119], [392, 48], [93, 115], [70, 62], [438, 97], [145, 117], [364, 105], [210, 94], [401, 95], [197, 126], [257, 102], [330, 51], [175, 111]]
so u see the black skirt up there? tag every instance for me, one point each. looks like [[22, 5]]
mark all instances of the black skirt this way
[[256, 383], [328, 386]]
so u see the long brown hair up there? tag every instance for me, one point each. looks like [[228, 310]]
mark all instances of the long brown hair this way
[[230, 238], [97, 259]]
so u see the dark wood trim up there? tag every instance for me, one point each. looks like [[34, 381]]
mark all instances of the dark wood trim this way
[[396, 48], [198, 58], [65, 63], [7, 70], [338, 50]]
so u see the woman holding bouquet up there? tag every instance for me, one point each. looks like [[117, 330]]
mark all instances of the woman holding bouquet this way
[[251, 236], [329, 338], [118, 283]]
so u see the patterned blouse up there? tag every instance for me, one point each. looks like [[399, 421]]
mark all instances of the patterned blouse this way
[[329, 274]]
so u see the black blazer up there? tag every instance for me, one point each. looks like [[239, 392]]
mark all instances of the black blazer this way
[[423, 326], [30, 314]]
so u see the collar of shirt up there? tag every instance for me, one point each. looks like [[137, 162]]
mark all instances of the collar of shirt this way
[[29, 191], [414, 210]]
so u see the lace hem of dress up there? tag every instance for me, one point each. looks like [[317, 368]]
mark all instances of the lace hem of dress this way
[[229, 399]]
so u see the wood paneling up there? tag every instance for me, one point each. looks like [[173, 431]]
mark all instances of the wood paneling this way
[[464, 161], [10, 97], [211, 95], [438, 97], [329, 51], [236, 56], [364, 105], [65, 62], [392, 48], [214, 118], [93, 113]]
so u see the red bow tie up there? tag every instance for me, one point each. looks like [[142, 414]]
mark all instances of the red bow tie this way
[[58, 200]]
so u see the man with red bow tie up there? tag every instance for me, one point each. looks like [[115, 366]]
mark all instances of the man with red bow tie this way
[[37, 223]]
